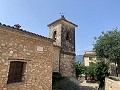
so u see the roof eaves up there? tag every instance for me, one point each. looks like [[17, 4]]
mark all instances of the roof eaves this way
[[64, 20], [24, 31], [89, 55]]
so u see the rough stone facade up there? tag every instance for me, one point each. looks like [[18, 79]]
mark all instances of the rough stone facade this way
[[67, 65], [63, 32], [35, 50], [56, 58], [111, 84], [56, 27], [68, 42]]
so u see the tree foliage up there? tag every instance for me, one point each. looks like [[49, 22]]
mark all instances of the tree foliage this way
[[90, 68], [90, 71], [107, 46], [80, 68], [100, 72]]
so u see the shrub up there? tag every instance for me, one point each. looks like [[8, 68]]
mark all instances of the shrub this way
[[56, 76], [80, 69], [66, 84], [101, 71], [63, 83]]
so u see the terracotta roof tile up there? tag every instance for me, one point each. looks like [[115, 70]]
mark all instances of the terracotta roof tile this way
[[24, 31]]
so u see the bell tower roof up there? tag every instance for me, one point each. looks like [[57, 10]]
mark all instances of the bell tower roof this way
[[60, 20]]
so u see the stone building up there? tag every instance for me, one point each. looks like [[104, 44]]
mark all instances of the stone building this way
[[89, 58], [63, 32], [27, 60]]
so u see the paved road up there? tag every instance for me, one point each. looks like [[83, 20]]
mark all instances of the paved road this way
[[84, 85]]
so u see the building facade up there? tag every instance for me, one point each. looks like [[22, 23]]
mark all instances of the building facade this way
[[25, 60], [89, 58], [62, 32]]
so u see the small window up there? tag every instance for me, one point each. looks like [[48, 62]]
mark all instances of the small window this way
[[90, 58], [15, 72], [67, 36], [55, 35]]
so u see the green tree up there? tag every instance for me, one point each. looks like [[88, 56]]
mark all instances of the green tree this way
[[90, 70], [80, 69], [100, 72], [107, 46]]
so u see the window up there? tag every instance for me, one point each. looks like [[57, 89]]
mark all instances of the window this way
[[55, 35], [67, 36], [90, 58], [15, 71]]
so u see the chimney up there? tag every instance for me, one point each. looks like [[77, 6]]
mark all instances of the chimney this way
[[17, 26]]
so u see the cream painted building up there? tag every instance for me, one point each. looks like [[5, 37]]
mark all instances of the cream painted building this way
[[89, 58]]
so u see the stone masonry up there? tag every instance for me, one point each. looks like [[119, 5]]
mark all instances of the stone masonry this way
[[34, 50], [56, 57], [67, 65], [63, 32], [111, 84]]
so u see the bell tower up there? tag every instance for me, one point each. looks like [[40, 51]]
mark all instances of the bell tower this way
[[62, 32]]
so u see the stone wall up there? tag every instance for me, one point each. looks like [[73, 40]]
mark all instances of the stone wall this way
[[63, 32], [56, 58], [67, 65], [68, 45], [56, 27], [112, 84], [36, 51]]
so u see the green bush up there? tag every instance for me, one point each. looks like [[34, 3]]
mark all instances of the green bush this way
[[80, 69], [65, 84], [90, 71], [56, 76], [101, 71]]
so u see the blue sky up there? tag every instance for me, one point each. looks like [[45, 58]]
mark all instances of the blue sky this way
[[91, 16]]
